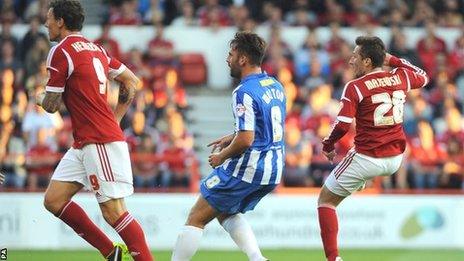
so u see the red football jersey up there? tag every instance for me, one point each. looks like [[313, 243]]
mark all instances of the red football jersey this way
[[377, 100], [79, 69]]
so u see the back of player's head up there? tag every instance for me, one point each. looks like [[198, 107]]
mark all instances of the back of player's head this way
[[250, 45], [70, 11], [373, 48]]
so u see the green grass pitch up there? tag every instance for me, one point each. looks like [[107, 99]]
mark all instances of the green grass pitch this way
[[274, 255]]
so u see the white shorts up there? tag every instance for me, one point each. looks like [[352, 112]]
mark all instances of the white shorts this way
[[104, 169], [356, 168]]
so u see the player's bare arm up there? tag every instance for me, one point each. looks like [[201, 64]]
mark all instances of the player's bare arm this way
[[221, 143], [127, 90], [49, 101], [242, 141], [328, 144]]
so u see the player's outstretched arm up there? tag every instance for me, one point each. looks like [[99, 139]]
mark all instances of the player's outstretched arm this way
[[417, 77], [241, 142], [127, 88], [49, 101]]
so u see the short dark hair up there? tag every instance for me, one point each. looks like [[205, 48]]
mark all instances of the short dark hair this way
[[371, 47], [70, 11], [250, 45]]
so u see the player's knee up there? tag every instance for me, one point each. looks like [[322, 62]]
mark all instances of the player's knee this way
[[223, 217], [328, 198], [191, 219], [111, 215], [53, 204], [321, 198], [195, 220]]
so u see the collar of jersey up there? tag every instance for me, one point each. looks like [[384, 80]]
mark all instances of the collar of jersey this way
[[71, 35], [253, 76]]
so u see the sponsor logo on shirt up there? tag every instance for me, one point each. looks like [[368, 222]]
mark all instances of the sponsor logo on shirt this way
[[240, 109]]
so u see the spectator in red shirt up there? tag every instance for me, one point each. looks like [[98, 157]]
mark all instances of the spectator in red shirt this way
[[456, 57], [105, 40], [160, 50], [126, 14], [145, 167], [278, 53], [40, 162], [212, 9], [426, 157], [335, 42], [428, 48], [177, 174]]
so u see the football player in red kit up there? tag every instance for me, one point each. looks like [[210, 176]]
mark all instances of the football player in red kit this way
[[375, 100], [99, 158]]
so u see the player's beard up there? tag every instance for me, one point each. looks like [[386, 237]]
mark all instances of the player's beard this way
[[53, 38], [235, 72], [358, 73]]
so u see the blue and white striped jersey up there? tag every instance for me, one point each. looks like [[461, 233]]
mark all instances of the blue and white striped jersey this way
[[259, 105]]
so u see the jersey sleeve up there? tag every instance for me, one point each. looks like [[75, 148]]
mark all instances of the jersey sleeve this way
[[349, 101], [244, 112], [415, 76], [115, 67], [57, 66]]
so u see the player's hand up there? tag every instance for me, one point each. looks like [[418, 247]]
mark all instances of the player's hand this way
[[2, 178], [330, 155], [215, 159], [216, 144], [219, 144], [39, 98]]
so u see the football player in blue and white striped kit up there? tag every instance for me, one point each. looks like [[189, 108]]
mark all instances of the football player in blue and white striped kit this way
[[248, 163]]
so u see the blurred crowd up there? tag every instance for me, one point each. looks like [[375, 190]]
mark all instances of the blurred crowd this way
[[246, 13], [313, 76], [33, 141]]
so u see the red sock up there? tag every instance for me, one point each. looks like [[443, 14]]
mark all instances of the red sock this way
[[75, 217], [329, 230], [132, 234]]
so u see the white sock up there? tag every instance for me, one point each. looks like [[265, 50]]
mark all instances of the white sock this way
[[240, 231], [187, 243]]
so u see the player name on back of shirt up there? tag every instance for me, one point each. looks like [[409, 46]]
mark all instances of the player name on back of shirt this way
[[85, 46], [273, 94], [382, 82]]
